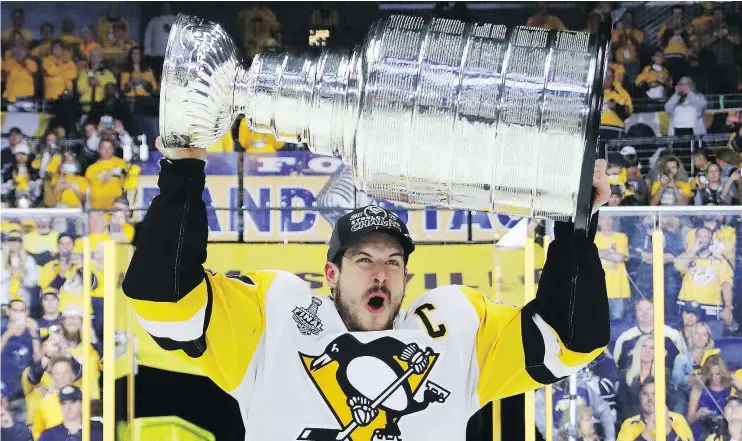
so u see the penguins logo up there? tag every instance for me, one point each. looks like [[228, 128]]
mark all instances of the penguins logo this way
[[370, 386], [373, 210]]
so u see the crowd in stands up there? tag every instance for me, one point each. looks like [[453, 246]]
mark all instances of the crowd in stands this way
[[93, 81], [41, 289], [691, 57]]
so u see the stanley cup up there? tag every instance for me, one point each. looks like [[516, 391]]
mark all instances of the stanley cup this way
[[434, 112]]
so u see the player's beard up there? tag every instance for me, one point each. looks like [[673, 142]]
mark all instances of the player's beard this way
[[352, 321]]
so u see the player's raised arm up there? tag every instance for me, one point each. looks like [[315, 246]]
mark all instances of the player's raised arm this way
[[184, 308], [564, 328]]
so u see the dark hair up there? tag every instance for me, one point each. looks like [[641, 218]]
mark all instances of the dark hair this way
[[46, 25], [57, 42], [61, 235], [647, 381], [130, 60], [706, 153]]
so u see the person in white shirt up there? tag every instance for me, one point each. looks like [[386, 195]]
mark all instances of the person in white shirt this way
[[155, 39], [686, 108]]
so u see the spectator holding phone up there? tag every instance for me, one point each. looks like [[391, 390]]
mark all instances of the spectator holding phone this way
[[71, 189], [20, 347], [109, 177], [707, 278], [18, 270], [730, 176], [709, 187], [137, 79], [672, 188], [56, 271], [686, 108]]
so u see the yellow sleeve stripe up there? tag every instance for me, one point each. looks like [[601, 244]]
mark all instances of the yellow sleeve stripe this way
[[182, 310]]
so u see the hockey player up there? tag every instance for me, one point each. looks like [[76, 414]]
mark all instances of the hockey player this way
[[355, 366]]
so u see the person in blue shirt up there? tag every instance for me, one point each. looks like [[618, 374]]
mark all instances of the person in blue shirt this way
[[11, 428], [586, 396], [70, 399], [20, 341]]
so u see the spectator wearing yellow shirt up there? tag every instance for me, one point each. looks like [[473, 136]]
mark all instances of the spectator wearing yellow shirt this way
[[707, 279], [254, 142], [44, 47], [613, 248], [41, 242], [56, 271], [59, 72], [137, 80], [119, 227], [105, 25], [72, 331], [642, 427], [19, 75], [68, 37], [628, 43], [543, 20], [91, 82], [617, 107], [71, 189], [109, 177], [675, 41], [655, 80], [87, 44], [48, 413], [37, 379], [699, 24], [257, 24], [672, 188], [115, 53], [17, 18], [723, 238], [49, 158]]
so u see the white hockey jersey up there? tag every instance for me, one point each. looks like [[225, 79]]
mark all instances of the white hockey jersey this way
[[285, 355]]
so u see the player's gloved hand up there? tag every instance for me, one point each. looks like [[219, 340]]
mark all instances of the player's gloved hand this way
[[175, 154], [415, 358], [362, 411]]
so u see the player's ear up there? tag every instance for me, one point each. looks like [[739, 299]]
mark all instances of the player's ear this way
[[332, 274]]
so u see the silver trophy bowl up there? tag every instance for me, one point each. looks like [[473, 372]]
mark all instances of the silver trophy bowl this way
[[433, 112]]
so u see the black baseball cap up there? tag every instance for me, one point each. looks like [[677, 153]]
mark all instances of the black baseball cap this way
[[693, 307], [70, 393], [351, 228]]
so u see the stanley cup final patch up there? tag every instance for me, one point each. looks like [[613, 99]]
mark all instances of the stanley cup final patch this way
[[375, 216], [306, 318]]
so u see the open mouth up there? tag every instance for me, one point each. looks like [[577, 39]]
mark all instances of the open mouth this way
[[375, 302]]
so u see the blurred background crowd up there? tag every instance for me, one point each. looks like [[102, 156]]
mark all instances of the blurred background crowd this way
[[671, 130]]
